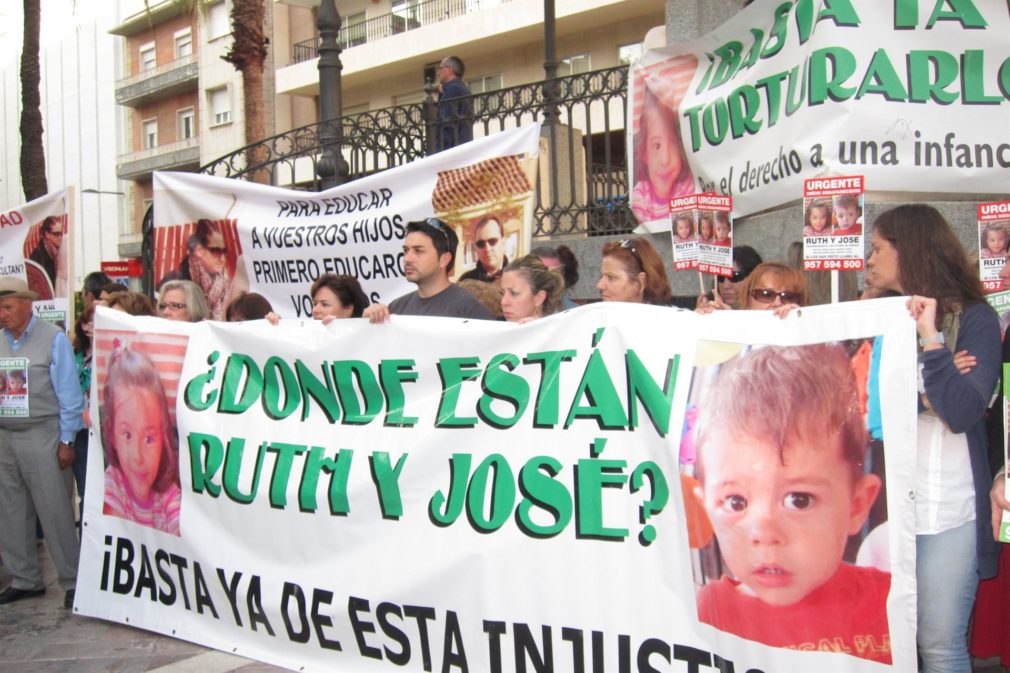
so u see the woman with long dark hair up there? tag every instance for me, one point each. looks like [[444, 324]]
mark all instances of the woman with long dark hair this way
[[915, 252]]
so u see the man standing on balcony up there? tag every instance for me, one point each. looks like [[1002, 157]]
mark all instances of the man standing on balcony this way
[[454, 116]]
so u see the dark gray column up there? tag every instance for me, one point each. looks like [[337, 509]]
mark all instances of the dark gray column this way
[[331, 168]]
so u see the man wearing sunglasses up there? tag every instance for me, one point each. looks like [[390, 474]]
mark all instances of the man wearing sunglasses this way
[[490, 243], [429, 252]]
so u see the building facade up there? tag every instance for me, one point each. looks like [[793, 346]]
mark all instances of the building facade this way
[[182, 103], [78, 63], [392, 47]]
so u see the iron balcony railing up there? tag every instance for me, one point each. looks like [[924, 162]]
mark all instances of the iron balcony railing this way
[[406, 15], [583, 188]]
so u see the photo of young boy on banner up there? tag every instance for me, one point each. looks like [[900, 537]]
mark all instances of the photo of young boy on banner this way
[[786, 472]]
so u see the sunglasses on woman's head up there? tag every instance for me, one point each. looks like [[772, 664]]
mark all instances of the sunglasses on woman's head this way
[[629, 245], [766, 296]]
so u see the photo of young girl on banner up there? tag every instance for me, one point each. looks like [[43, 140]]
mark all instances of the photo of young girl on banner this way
[[661, 171], [137, 379]]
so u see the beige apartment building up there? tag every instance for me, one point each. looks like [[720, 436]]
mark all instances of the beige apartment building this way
[[183, 102], [390, 47]]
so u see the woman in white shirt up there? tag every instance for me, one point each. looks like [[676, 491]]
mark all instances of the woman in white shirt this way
[[914, 252]]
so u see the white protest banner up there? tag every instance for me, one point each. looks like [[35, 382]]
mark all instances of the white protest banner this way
[[833, 223], [36, 241], [231, 235], [904, 93], [438, 494], [993, 241]]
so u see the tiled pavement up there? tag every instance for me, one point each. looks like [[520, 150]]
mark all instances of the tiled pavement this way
[[38, 636]]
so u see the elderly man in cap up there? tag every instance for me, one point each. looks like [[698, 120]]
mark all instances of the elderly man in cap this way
[[36, 447]]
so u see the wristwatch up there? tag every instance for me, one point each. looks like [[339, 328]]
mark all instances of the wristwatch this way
[[935, 339], [69, 445]]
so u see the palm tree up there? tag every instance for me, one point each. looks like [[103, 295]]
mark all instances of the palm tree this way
[[33, 158], [248, 54]]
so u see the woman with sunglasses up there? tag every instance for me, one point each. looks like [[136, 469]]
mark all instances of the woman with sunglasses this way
[[915, 252], [633, 271], [774, 286], [745, 260], [770, 286], [206, 264]]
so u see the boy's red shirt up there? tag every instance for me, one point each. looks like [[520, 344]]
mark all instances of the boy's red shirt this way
[[848, 613]]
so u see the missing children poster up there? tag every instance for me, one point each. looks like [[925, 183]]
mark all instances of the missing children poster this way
[[566, 495]]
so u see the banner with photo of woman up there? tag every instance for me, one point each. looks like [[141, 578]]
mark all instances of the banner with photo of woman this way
[[902, 93], [230, 236], [36, 244], [566, 494]]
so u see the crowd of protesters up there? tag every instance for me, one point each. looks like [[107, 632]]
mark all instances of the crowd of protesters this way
[[914, 253]]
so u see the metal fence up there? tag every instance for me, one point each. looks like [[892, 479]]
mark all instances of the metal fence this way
[[583, 186]]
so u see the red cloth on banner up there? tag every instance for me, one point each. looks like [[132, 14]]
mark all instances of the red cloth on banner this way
[[848, 613], [990, 631], [854, 230]]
